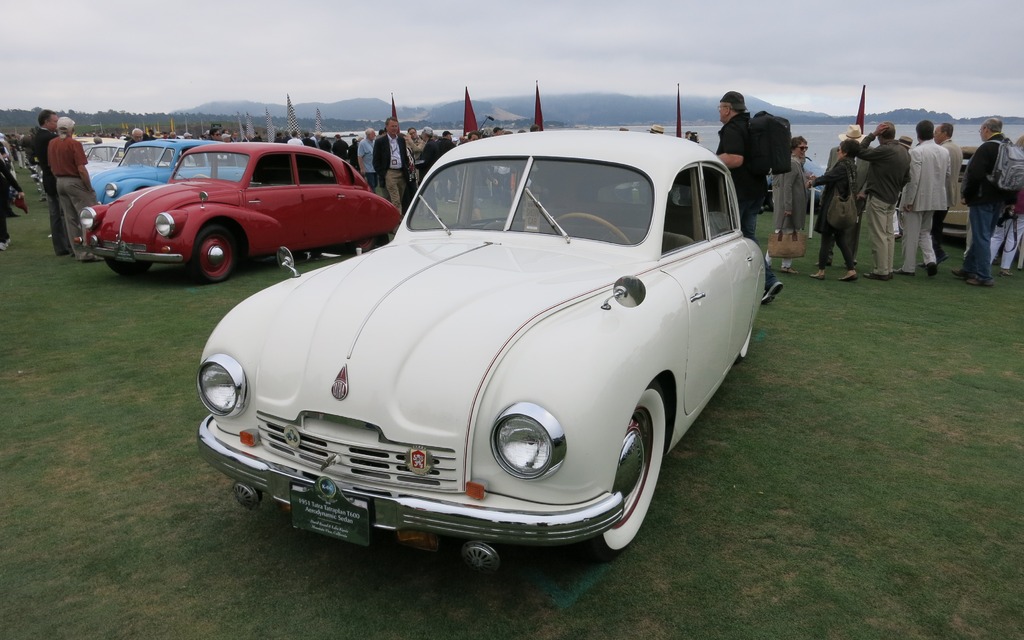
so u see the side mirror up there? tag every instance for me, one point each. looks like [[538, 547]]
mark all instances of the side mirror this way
[[629, 291], [286, 260]]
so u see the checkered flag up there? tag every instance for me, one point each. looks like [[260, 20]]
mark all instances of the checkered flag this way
[[271, 132], [293, 122], [318, 125], [250, 131]]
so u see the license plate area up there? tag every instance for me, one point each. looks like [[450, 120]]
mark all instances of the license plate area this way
[[124, 253], [324, 509]]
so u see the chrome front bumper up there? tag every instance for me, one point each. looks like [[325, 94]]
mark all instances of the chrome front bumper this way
[[393, 512]]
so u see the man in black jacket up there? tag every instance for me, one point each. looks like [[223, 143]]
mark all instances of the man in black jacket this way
[[40, 147], [985, 201], [391, 162]]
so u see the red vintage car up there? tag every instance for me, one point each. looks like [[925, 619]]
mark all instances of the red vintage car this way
[[225, 203]]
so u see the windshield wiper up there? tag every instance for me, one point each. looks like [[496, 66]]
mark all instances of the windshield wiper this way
[[434, 213], [547, 216]]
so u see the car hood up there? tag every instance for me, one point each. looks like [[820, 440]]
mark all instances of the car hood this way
[[134, 172], [416, 327], [176, 195]]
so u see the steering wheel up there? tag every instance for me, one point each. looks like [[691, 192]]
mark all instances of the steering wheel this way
[[579, 215]]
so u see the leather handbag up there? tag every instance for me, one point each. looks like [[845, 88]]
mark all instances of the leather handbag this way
[[842, 212], [787, 244]]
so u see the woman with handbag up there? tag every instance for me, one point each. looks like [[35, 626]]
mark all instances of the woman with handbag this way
[[789, 193], [840, 207]]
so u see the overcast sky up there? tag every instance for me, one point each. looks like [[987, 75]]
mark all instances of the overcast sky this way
[[956, 57]]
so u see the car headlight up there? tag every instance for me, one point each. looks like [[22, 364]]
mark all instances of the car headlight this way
[[165, 224], [222, 385], [88, 218], [110, 189], [527, 441]]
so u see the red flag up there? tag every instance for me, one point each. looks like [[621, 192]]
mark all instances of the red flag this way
[[860, 110], [538, 117], [394, 112], [469, 118], [679, 115]]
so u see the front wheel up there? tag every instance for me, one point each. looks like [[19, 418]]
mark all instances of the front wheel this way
[[214, 255], [639, 465]]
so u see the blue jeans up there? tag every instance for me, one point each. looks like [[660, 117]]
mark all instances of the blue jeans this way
[[371, 179], [749, 210], [978, 259]]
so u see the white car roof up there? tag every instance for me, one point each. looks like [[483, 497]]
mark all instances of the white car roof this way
[[660, 156]]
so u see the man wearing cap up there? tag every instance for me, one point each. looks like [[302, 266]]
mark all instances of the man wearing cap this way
[[922, 197], [888, 173], [431, 151], [751, 189], [985, 201], [67, 160]]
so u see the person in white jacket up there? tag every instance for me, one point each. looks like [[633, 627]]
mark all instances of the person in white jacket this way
[[923, 195]]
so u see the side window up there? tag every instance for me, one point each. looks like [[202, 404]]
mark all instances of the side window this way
[[719, 213], [683, 222], [314, 170], [273, 169], [165, 158]]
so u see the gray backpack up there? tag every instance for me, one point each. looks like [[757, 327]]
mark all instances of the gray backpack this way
[[1008, 172]]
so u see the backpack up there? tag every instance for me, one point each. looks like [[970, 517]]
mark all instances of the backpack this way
[[1008, 171], [768, 149]]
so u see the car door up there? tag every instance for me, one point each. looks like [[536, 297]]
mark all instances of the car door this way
[[273, 192], [705, 289], [741, 260]]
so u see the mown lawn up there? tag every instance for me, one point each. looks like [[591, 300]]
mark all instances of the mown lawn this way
[[858, 476]]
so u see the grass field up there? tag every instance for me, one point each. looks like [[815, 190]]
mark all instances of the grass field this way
[[858, 476]]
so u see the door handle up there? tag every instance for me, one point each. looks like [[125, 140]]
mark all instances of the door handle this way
[[341, 196], [256, 201], [698, 295]]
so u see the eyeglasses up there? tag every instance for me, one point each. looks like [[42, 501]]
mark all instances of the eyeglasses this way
[[802, 148]]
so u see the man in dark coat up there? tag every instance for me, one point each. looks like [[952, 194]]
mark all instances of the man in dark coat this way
[[46, 132]]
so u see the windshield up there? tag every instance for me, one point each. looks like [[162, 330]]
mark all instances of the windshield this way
[[218, 165], [137, 155], [568, 198]]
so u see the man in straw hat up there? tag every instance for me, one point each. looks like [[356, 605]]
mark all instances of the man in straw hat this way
[[751, 188], [67, 161]]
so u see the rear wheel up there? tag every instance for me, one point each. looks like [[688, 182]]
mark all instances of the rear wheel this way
[[639, 465], [214, 255], [128, 268], [369, 244]]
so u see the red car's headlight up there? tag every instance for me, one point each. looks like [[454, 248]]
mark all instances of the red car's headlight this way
[[165, 224], [90, 219]]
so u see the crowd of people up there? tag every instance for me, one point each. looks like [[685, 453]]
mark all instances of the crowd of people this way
[[903, 188]]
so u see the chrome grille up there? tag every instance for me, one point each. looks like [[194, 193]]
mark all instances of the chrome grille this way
[[360, 452]]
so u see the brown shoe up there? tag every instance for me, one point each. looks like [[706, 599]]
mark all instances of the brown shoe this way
[[877, 276], [980, 283]]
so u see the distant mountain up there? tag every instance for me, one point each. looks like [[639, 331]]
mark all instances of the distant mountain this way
[[576, 110]]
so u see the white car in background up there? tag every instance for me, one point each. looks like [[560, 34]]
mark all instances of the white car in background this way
[[104, 156], [552, 315]]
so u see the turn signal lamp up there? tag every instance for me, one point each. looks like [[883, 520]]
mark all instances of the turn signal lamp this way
[[418, 539], [476, 490], [250, 437]]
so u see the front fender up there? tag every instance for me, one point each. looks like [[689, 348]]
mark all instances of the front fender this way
[[587, 367]]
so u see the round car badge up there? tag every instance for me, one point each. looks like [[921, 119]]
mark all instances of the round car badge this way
[[292, 437], [326, 489], [418, 461]]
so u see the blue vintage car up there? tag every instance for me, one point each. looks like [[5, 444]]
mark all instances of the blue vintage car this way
[[145, 164]]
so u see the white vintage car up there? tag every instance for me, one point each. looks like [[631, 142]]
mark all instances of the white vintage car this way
[[551, 317]]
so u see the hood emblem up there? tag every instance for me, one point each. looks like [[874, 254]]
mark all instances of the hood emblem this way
[[418, 461], [340, 387]]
